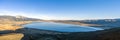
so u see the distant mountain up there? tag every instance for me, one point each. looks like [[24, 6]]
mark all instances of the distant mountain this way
[[102, 23], [17, 18], [105, 23]]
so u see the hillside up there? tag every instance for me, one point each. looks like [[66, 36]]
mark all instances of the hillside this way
[[14, 22]]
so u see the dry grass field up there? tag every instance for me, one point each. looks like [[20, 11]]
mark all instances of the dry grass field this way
[[12, 25], [12, 36]]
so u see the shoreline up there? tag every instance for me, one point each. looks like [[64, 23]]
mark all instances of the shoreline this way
[[77, 23], [13, 25]]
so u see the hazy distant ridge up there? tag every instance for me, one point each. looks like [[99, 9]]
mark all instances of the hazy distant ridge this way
[[18, 18], [105, 22]]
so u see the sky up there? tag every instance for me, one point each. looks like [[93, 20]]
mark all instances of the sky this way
[[62, 9]]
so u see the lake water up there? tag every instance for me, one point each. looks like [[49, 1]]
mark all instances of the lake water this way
[[60, 27]]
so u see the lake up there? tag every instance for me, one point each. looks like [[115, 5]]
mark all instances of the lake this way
[[61, 27]]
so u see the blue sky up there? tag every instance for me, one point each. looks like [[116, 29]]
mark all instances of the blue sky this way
[[62, 9]]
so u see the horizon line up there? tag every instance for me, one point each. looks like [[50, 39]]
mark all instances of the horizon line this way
[[62, 19]]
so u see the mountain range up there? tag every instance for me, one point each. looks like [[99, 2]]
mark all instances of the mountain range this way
[[17, 18], [101, 22], [105, 23]]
